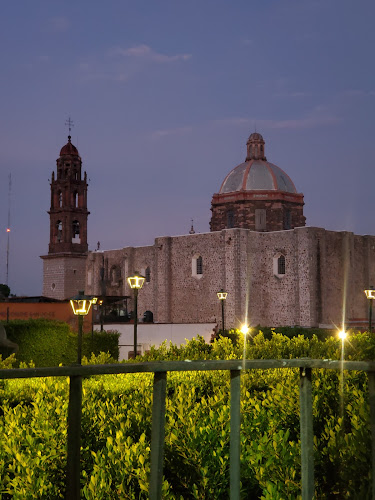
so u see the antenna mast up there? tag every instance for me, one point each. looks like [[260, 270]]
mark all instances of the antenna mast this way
[[8, 229]]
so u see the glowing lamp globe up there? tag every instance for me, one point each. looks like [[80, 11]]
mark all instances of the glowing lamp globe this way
[[245, 329], [81, 304], [221, 295], [342, 334], [136, 281], [370, 294]]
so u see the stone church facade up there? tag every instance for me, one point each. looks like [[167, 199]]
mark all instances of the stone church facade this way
[[276, 270]]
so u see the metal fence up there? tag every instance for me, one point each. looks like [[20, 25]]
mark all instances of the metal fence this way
[[160, 370]]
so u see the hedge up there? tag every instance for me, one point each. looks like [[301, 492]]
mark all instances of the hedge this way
[[116, 428], [50, 343]]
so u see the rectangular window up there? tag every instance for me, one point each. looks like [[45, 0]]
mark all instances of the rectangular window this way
[[287, 219], [260, 219], [230, 219], [199, 265], [281, 265]]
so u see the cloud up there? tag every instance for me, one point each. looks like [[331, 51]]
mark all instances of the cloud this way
[[145, 52], [297, 123], [58, 24], [232, 121], [318, 117], [293, 94], [159, 134], [357, 93]]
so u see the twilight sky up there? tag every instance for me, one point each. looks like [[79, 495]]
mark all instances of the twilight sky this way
[[164, 95]]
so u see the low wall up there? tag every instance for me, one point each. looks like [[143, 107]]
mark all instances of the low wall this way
[[59, 311], [149, 334]]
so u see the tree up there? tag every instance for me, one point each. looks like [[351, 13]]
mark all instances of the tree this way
[[4, 290]]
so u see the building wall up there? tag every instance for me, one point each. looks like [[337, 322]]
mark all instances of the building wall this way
[[46, 310], [244, 213], [63, 276], [323, 271], [155, 334]]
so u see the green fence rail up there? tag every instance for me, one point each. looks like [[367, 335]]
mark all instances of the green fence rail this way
[[160, 370]]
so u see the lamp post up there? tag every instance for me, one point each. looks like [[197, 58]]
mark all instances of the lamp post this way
[[81, 304], [370, 294], [136, 283], [222, 296]]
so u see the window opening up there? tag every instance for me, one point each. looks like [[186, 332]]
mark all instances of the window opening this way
[[148, 275], [76, 232], [75, 199], [115, 275], [281, 265], [260, 219], [58, 231], [287, 219], [199, 265], [230, 219], [60, 199]]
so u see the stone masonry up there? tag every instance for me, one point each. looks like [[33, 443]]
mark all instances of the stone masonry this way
[[323, 270]]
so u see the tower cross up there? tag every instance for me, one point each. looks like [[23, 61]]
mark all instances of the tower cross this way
[[69, 123]]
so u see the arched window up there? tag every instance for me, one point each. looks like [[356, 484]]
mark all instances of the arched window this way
[[199, 265], [60, 198], [58, 231], [115, 275], [279, 265], [76, 232], [148, 275], [75, 199]]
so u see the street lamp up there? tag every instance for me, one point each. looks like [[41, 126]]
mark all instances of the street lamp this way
[[370, 294], [136, 282], [222, 296], [81, 306]]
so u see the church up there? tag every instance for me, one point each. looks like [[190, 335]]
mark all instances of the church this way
[[276, 270]]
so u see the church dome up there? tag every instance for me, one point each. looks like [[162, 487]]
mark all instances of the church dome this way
[[256, 173], [257, 195], [69, 149]]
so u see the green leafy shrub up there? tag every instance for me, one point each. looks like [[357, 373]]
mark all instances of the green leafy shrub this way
[[116, 428], [50, 343]]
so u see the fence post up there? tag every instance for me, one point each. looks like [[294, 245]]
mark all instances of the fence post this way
[[73, 470], [307, 435], [371, 388], [235, 442], [157, 435]]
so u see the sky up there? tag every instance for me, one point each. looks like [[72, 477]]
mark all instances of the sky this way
[[164, 95]]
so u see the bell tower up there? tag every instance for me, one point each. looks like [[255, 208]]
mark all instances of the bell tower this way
[[64, 268]]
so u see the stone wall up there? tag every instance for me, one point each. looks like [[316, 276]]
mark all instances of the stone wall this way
[[321, 268], [63, 276], [244, 214]]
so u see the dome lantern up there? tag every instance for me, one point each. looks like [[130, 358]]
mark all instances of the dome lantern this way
[[255, 147]]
